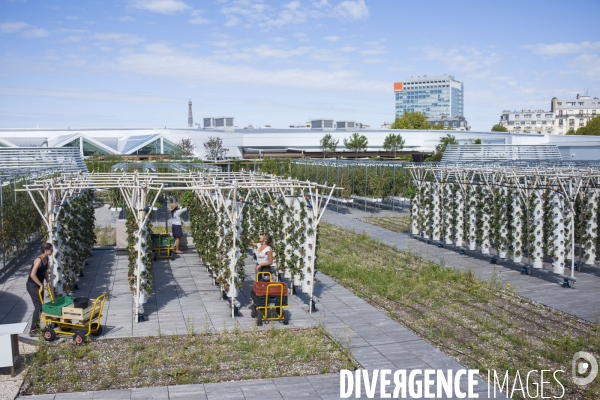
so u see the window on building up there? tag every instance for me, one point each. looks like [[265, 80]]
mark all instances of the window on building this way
[[559, 103], [516, 117], [593, 112], [527, 116], [549, 116], [580, 112], [571, 122], [581, 103], [538, 116]]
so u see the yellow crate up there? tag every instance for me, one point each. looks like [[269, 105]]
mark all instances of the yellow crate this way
[[80, 314]]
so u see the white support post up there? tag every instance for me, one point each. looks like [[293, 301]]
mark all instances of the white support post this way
[[537, 230], [485, 220], [472, 218], [558, 219], [435, 210], [459, 228], [449, 204], [517, 226], [591, 225]]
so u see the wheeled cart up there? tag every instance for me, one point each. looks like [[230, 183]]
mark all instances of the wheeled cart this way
[[163, 246], [268, 302], [61, 317]]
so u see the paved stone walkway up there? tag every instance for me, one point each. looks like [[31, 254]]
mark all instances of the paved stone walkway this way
[[185, 298], [582, 301]]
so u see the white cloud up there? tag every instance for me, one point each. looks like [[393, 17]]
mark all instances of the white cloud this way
[[126, 18], [158, 60], [352, 10], [373, 52], [12, 27], [84, 94], [35, 33], [279, 40], [251, 13], [197, 18], [232, 21], [348, 49], [587, 65], [121, 38], [564, 48], [160, 6], [27, 30], [465, 59], [332, 38]]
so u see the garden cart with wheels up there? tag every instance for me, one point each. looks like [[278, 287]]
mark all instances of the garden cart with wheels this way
[[163, 246], [79, 318], [268, 302]]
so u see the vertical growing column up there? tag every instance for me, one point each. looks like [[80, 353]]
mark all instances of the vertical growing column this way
[[558, 266], [416, 208], [450, 213], [427, 210], [436, 210], [536, 244], [486, 210], [502, 221], [591, 226], [472, 202], [517, 226], [459, 211]]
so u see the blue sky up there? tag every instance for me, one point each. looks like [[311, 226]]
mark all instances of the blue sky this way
[[135, 63]]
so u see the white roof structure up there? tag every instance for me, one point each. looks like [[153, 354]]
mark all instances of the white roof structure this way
[[141, 141]]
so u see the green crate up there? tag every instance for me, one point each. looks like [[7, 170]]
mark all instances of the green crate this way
[[55, 307]]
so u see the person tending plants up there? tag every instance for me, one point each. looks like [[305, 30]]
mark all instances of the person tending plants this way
[[176, 224]]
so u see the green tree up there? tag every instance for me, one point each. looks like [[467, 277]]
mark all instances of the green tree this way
[[185, 148], [356, 142], [438, 127], [214, 148], [393, 143], [411, 120], [476, 141], [440, 148], [571, 131], [499, 128], [328, 144], [592, 128]]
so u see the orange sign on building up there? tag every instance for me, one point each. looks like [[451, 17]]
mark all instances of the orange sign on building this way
[[398, 87]]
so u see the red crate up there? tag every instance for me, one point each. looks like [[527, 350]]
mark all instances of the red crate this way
[[260, 288]]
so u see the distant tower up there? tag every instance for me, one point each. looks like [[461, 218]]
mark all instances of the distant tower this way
[[190, 117]]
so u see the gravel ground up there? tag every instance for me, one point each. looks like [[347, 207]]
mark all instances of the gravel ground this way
[[9, 387]]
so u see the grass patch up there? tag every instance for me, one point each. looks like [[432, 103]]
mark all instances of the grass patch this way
[[401, 224], [106, 235], [186, 359], [482, 325]]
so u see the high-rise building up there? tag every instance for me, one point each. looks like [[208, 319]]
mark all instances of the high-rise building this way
[[432, 96], [190, 117]]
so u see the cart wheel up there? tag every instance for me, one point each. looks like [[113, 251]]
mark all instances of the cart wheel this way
[[259, 320], [79, 337], [64, 328], [253, 311], [286, 317], [49, 334], [96, 329]]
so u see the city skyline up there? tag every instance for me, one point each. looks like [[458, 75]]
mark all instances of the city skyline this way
[[138, 62]]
